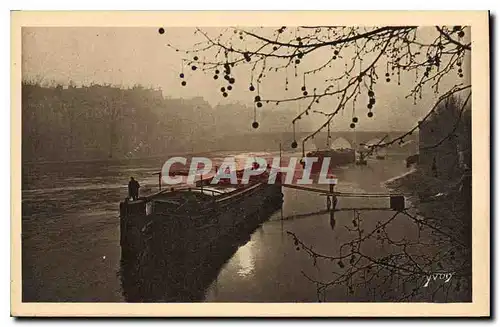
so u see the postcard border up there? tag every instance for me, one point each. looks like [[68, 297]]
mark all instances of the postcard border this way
[[479, 22]]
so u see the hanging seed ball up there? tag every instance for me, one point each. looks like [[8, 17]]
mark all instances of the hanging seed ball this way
[[386, 74], [426, 74], [255, 124], [460, 70], [297, 61], [294, 144], [387, 79], [461, 34], [370, 106], [352, 125], [335, 52], [275, 48], [303, 88], [300, 55], [370, 114], [226, 77], [257, 98], [183, 83], [193, 67], [461, 75], [372, 101], [259, 104], [217, 71], [459, 64], [223, 89], [229, 87], [297, 248], [334, 57], [181, 75], [216, 77], [371, 94], [251, 88], [355, 119], [232, 80], [305, 93], [195, 58], [360, 79], [161, 30], [224, 94]]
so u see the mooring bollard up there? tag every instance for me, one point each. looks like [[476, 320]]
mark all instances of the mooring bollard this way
[[333, 200], [397, 202]]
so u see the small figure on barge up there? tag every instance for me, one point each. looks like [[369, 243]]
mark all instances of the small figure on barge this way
[[133, 189]]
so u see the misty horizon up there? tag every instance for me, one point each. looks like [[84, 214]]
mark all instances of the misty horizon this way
[[126, 57]]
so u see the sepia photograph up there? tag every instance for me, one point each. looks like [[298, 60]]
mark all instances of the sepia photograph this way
[[281, 158]]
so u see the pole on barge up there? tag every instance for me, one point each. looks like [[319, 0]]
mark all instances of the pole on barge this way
[[159, 180], [280, 154]]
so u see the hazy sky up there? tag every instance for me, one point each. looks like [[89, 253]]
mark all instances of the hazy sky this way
[[127, 56]]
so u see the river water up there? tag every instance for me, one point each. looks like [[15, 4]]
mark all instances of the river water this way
[[70, 233]]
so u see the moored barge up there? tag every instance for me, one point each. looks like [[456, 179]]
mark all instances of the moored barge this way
[[338, 157], [174, 242]]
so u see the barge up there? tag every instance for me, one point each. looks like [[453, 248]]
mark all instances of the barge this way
[[173, 243], [338, 157]]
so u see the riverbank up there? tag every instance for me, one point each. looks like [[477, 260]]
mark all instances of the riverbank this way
[[446, 207], [432, 197]]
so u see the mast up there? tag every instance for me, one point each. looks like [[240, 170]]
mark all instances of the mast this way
[[328, 137]]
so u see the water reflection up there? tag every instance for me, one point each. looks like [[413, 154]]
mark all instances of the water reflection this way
[[170, 270], [277, 275], [332, 219], [246, 260]]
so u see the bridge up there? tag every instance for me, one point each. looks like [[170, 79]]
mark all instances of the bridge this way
[[271, 141], [352, 139]]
